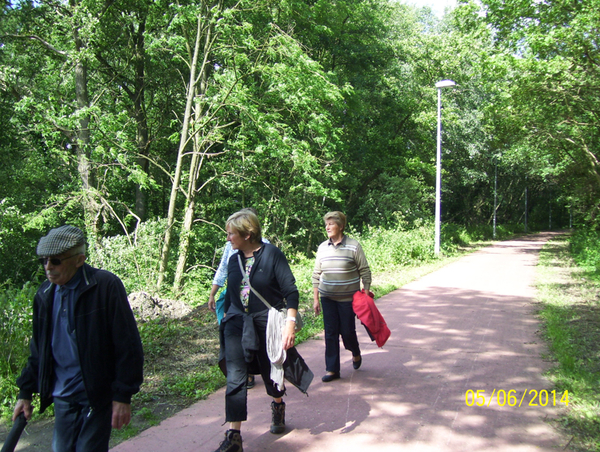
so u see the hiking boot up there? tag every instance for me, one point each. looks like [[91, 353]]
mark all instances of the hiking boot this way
[[232, 442], [278, 421]]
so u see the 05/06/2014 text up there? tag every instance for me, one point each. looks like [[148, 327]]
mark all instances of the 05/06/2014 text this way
[[515, 398]]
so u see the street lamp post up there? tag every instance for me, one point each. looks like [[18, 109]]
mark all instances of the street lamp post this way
[[495, 196], [438, 172]]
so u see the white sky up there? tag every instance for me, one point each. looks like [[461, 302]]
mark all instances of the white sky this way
[[436, 5]]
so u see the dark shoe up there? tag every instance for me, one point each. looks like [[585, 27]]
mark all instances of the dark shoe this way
[[232, 442], [356, 364], [278, 420], [330, 377], [250, 383]]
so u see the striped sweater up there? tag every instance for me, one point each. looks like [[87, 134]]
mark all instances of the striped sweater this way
[[339, 269]]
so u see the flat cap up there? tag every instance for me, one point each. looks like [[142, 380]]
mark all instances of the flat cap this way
[[60, 240]]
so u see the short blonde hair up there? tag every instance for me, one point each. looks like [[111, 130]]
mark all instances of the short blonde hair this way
[[245, 222], [338, 217]]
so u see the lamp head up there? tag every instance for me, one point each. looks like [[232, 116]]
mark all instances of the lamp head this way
[[445, 83]]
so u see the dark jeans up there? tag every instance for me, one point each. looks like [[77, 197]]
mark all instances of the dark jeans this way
[[77, 428], [338, 319], [236, 409]]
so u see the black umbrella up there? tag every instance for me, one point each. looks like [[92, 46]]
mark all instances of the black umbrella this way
[[15, 433]]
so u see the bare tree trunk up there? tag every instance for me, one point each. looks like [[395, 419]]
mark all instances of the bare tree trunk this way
[[200, 148], [183, 141], [188, 220]]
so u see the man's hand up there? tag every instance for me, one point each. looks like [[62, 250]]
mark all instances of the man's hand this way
[[23, 405], [121, 415]]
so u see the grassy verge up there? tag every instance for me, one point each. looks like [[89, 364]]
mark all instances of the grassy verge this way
[[571, 317]]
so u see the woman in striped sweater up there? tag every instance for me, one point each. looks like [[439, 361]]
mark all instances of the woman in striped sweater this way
[[340, 266]]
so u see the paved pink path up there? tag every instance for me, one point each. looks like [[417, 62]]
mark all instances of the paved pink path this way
[[470, 325]]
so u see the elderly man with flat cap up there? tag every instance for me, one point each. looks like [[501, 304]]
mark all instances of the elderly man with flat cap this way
[[86, 354]]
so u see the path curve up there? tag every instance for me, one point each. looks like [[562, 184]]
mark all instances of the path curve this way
[[468, 326]]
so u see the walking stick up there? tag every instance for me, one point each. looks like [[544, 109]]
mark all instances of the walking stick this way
[[15, 433]]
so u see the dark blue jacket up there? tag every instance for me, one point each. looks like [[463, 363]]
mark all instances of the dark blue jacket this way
[[108, 342]]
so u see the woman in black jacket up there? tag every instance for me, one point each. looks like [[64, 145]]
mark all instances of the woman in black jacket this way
[[263, 267]]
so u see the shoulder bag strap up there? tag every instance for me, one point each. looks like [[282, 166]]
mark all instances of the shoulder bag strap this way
[[247, 277]]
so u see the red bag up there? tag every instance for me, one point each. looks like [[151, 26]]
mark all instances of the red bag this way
[[368, 314]]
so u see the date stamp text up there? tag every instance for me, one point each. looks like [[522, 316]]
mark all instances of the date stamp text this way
[[515, 398]]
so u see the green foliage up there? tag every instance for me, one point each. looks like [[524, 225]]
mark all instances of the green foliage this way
[[585, 247], [460, 236], [154, 334], [15, 331], [390, 199], [571, 323], [396, 247], [302, 268], [17, 245], [390, 248], [306, 106], [198, 282], [550, 102], [132, 257]]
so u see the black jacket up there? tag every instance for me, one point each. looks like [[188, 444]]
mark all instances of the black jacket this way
[[108, 342], [270, 276]]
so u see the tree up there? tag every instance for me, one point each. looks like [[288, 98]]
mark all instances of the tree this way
[[253, 96], [554, 102]]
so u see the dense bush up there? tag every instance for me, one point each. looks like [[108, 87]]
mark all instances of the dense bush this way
[[17, 246], [134, 258], [585, 248], [15, 331], [302, 268], [388, 248]]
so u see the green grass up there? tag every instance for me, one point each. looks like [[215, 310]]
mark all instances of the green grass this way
[[570, 312]]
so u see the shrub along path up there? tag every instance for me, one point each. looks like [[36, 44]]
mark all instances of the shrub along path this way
[[467, 327]]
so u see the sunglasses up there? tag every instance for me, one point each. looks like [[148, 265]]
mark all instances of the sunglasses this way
[[55, 260]]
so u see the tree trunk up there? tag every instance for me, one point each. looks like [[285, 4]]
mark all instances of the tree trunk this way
[[200, 148], [188, 220], [141, 121], [183, 141], [90, 205]]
